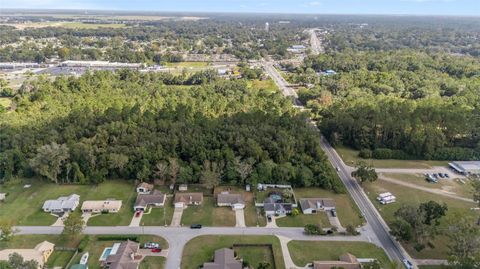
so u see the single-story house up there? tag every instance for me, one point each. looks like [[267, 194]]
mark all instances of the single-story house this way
[[188, 198], [183, 187], [40, 253], [233, 200], [223, 259], [144, 188], [122, 256], [2, 196], [346, 261], [155, 198], [62, 204], [274, 206], [110, 206], [313, 205]]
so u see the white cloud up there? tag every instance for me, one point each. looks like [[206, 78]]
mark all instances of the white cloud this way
[[51, 4]]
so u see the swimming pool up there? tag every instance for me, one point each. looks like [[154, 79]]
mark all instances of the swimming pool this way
[[106, 252]]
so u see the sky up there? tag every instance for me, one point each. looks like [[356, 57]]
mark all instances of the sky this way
[[414, 7]]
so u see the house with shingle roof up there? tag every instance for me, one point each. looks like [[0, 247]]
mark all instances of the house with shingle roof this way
[[223, 259], [110, 206], [40, 253], [233, 200], [155, 198], [63, 204], [144, 188], [184, 199], [314, 205], [123, 256]]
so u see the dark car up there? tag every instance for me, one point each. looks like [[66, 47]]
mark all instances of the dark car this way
[[333, 212], [441, 175], [196, 226], [446, 175], [269, 218]]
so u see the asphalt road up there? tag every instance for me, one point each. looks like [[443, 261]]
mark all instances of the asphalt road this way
[[315, 43], [177, 237]]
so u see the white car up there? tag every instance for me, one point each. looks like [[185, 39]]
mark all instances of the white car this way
[[338, 169], [407, 264]]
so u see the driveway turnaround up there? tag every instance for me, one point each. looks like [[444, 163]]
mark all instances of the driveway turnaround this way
[[240, 218], [177, 217]]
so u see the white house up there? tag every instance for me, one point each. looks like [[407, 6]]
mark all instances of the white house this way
[[62, 204], [144, 188], [314, 205], [235, 201]]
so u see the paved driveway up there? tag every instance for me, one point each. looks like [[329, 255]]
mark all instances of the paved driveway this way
[[177, 217], [334, 221], [240, 218], [136, 220]]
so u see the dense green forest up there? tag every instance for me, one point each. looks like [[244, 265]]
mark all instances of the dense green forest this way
[[132, 125], [400, 104]]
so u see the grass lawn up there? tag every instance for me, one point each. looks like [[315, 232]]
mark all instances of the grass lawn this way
[[301, 220], [208, 214], [347, 210], [255, 254], [29, 201], [187, 64], [449, 185], [408, 196], [350, 157], [267, 84], [159, 216], [303, 252], [153, 263], [68, 24], [60, 258], [201, 249]]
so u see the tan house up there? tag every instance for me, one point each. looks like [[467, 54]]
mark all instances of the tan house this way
[[40, 253], [346, 261], [188, 198], [224, 259], [110, 206], [233, 200], [144, 188]]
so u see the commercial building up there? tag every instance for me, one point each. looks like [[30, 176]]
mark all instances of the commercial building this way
[[467, 167]]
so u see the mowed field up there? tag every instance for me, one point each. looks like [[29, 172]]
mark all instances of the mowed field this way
[[201, 249], [303, 252], [350, 157], [23, 205], [409, 196]]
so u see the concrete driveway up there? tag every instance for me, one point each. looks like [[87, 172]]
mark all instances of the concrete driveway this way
[[177, 217], [240, 218], [136, 220], [334, 221]]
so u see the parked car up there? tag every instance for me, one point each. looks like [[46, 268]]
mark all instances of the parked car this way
[[333, 212], [440, 175], [338, 169], [138, 213], [269, 218], [446, 175], [196, 226], [435, 175], [157, 250], [407, 264], [151, 245]]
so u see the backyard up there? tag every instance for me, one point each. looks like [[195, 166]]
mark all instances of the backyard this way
[[303, 252], [350, 157], [409, 196], [29, 201], [201, 249], [208, 214]]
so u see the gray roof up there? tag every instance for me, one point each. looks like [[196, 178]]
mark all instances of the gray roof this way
[[316, 203], [124, 258], [230, 198], [224, 259], [466, 166], [155, 197], [63, 202]]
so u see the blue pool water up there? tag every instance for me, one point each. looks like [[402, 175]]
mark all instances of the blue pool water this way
[[105, 254]]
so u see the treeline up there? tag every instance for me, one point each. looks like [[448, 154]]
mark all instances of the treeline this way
[[130, 125], [399, 104]]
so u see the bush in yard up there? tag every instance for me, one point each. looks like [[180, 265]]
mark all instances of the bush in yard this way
[[365, 154], [295, 212], [351, 230], [312, 229], [83, 243]]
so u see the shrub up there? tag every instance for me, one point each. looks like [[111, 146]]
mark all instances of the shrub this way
[[365, 154], [83, 243], [351, 230], [312, 229], [382, 154]]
